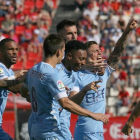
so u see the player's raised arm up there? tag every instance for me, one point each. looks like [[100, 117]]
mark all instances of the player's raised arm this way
[[77, 97], [121, 44], [127, 128]]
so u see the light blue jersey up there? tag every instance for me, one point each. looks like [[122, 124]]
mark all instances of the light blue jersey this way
[[68, 78], [45, 88], [4, 73], [93, 101]]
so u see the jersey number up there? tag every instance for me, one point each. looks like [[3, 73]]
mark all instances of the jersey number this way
[[34, 101]]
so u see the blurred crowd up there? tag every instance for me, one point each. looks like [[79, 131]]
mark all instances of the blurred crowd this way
[[104, 21], [27, 22]]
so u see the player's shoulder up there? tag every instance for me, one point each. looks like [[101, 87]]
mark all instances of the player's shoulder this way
[[45, 68], [59, 67]]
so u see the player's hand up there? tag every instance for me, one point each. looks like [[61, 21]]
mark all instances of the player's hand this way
[[127, 130], [92, 86], [132, 24], [19, 74], [101, 117], [95, 65]]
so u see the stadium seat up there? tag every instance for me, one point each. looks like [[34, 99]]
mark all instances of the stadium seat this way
[[19, 29], [29, 4], [111, 101], [122, 111], [39, 4], [29, 64], [18, 66], [113, 92]]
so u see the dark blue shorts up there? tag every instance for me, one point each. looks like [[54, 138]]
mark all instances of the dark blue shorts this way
[[4, 135]]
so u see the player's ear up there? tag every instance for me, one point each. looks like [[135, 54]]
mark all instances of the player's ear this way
[[58, 53], [69, 56]]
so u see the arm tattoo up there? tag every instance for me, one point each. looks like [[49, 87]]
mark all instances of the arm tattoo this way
[[12, 82], [117, 52]]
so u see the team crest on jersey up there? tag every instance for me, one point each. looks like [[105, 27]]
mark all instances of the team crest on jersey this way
[[60, 85], [1, 71]]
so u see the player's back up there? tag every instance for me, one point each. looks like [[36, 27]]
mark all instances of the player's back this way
[[43, 104]]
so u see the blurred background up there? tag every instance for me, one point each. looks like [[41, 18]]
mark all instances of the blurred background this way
[[28, 22]]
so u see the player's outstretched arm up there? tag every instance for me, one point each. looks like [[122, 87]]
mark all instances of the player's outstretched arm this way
[[77, 97], [121, 44], [127, 127], [76, 109]]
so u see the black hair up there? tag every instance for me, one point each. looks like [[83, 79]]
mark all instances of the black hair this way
[[89, 43], [3, 42], [52, 43], [65, 22], [74, 45]]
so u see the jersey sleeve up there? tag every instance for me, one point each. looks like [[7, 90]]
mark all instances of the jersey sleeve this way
[[76, 86], [55, 86], [2, 73]]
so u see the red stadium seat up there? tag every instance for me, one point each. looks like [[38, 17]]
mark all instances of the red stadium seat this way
[[6, 35], [18, 66], [2, 19], [32, 56], [29, 64], [39, 4], [19, 29], [29, 4]]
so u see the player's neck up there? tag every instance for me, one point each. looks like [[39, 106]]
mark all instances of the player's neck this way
[[66, 64], [51, 60]]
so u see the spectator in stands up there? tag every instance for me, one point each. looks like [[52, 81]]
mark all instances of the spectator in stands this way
[[7, 24], [93, 36], [48, 6], [14, 37], [131, 77], [43, 32], [92, 11], [1, 35], [21, 17], [135, 99], [33, 16], [3, 8], [105, 7], [82, 37], [44, 16], [137, 48], [27, 33], [121, 23], [79, 5], [123, 98]]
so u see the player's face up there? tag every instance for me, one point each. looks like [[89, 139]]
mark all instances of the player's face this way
[[69, 33], [78, 59], [10, 53], [94, 52]]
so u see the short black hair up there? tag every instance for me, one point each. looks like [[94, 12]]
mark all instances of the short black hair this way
[[4, 41], [89, 43], [74, 45], [52, 43], [65, 22]]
